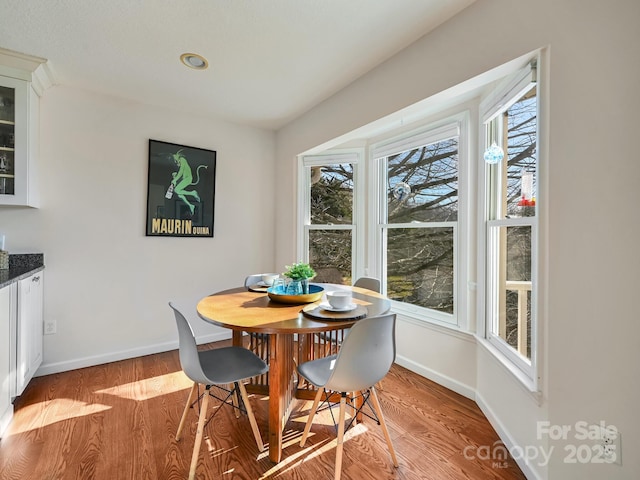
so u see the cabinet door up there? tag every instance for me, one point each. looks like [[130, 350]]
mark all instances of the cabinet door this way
[[7, 319], [18, 133], [29, 329]]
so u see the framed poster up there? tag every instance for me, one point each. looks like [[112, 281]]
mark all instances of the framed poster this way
[[180, 190]]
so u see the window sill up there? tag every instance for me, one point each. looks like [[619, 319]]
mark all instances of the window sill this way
[[527, 384], [409, 315]]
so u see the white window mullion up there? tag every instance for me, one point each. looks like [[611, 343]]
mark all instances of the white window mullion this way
[[359, 217], [369, 210], [304, 211]]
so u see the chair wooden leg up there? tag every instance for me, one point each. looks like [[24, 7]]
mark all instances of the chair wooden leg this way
[[376, 406], [252, 418], [343, 405], [190, 400], [312, 414], [199, 433]]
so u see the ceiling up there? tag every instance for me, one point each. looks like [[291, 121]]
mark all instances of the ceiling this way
[[269, 60]]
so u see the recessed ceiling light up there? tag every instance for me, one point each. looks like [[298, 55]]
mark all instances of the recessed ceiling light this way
[[193, 60]]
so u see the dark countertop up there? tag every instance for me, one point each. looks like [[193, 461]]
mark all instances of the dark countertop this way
[[21, 265]]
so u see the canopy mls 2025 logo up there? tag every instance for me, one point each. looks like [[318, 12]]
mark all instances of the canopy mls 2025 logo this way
[[180, 190]]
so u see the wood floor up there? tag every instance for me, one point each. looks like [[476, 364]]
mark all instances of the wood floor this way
[[118, 421]]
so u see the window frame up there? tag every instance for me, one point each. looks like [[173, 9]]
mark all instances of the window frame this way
[[350, 156], [508, 92], [427, 134], [490, 93]]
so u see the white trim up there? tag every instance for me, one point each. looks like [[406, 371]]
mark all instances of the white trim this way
[[527, 365], [527, 371], [426, 314], [416, 224], [454, 125], [303, 215], [358, 218], [508, 92], [512, 369], [418, 138], [463, 240], [65, 366], [352, 156], [441, 327], [512, 222], [444, 380], [330, 159], [334, 226], [27, 67], [42, 79], [542, 214], [373, 214], [529, 472]]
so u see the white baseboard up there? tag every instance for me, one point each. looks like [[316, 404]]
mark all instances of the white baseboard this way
[[445, 381], [57, 367], [508, 441], [472, 394]]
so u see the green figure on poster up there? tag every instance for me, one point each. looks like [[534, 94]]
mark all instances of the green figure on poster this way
[[183, 179]]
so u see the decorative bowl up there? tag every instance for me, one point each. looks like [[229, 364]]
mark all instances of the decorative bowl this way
[[315, 294]]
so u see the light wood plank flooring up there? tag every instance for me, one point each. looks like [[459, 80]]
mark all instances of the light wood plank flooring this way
[[118, 421]]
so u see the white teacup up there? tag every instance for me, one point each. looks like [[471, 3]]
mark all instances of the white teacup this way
[[339, 299], [268, 278]]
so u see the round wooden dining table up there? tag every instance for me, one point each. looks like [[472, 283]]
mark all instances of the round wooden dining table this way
[[288, 338]]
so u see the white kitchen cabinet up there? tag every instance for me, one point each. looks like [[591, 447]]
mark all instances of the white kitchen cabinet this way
[[30, 329], [8, 303], [23, 79], [19, 110]]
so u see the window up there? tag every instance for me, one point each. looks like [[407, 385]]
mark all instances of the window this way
[[329, 228], [419, 189], [433, 247], [511, 123]]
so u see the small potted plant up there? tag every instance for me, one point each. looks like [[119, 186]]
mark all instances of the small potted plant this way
[[302, 273]]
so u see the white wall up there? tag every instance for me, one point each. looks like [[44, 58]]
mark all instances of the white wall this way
[[590, 260], [438, 353], [107, 285]]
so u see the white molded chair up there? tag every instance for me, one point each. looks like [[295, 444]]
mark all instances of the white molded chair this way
[[252, 279], [369, 283], [216, 367], [365, 357]]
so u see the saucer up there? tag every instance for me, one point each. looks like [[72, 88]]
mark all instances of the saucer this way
[[258, 287], [348, 308]]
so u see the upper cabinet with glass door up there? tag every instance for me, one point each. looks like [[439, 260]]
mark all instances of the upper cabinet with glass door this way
[[18, 143], [21, 82]]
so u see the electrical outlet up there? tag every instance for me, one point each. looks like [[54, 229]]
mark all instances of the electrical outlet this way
[[611, 445], [49, 327]]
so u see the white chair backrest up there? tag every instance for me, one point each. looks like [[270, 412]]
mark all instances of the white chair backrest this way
[[369, 283], [252, 279], [366, 355], [188, 349]]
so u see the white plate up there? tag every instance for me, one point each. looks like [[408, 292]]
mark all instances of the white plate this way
[[348, 308]]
